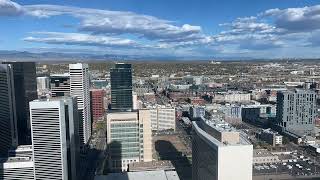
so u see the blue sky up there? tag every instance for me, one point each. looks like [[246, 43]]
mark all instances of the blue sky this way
[[183, 28]]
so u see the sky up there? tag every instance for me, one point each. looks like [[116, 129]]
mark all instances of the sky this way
[[190, 29]]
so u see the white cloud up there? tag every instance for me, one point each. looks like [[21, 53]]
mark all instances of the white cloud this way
[[80, 39], [295, 19], [106, 22], [279, 29], [9, 8]]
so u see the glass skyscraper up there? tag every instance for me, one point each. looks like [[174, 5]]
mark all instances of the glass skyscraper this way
[[121, 87], [25, 90]]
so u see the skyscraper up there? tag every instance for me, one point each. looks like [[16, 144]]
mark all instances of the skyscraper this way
[[79, 87], [25, 90], [296, 111], [19, 164], [217, 149], [60, 85], [121, 87], [55, 138], [8, 126]]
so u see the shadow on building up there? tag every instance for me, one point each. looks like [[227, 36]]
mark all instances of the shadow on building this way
[[167, 151]]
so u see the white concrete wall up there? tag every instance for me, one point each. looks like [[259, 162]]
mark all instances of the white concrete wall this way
[[235, 162]]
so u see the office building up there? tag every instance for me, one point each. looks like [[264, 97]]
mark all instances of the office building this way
[[162, 118], [55, 138], [197, 112], [25, 90], [18, 165], [60, 85], [296, 111], [43, 83], [79, 87], [8, 126], [16, 168], [121, 87], [217, 149], [129, 139], [97, 104]]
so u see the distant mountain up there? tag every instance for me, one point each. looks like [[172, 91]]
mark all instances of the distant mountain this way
[[6, 55], [56, 56]]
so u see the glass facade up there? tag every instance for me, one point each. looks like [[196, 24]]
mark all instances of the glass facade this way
[[25, 90], [125, 140], [121, 87]]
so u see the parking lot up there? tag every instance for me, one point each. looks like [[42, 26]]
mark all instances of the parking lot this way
[[298, 166]]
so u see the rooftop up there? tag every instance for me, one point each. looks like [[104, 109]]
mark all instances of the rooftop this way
[[151, 166], [219, 124], [143, 175]]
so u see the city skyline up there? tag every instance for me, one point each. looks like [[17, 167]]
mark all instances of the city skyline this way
[[273, 29]]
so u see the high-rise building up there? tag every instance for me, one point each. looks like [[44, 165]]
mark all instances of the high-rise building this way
[[129, 138], [25, 90], [55, 139], [121, 87], [8, 126], [19, 166], [79, 87], [296, 111], [218, 148], [97, 104], [60, 85], [43, 83]]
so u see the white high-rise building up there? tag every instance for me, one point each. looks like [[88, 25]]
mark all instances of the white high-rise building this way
[[19, 164], [79, 87], [55, 140]]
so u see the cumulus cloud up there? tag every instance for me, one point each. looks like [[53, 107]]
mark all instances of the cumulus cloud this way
[[273, 28], [9, 8], [80, 39], [296, 19], [105, 22]]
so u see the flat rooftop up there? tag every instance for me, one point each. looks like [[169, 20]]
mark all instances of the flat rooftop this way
[[143, 175], [219, 124], [151, 166]]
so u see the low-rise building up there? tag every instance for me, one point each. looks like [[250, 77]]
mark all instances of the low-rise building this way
[[271, 137], [263, 156]]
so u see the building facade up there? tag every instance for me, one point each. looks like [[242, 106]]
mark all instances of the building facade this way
[[55, 139], [18, 165], [129, 139], [17, 168], [121, 87], [8, 125], [79, 87], [163, 118], [97, 104], [197, 112], [216, 149], [60, 85], [296, 111], [25, 90]]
